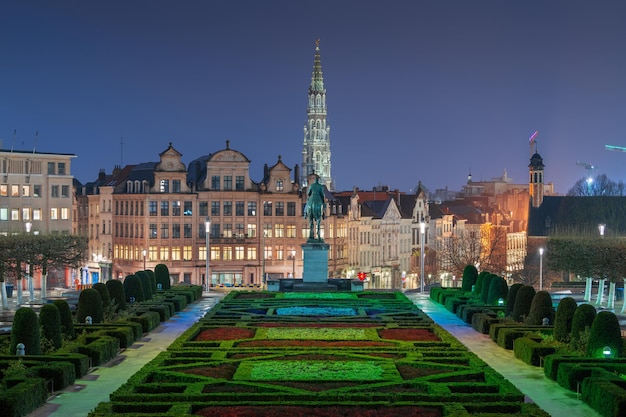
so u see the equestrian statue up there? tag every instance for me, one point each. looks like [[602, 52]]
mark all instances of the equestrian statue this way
[[315, 209]]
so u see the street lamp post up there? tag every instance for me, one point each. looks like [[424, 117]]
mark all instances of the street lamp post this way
[[601, 228], [293, 258], [263, 258], [422, 233], [143, 252], [540, 269], [207, 229]]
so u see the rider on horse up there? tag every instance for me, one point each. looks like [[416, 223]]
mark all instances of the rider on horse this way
[[315, 209]]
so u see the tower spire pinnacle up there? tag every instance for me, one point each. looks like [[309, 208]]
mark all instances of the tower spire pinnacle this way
[[316, 149]]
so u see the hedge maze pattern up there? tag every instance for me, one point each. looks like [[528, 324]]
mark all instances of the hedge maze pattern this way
[[366, 354]]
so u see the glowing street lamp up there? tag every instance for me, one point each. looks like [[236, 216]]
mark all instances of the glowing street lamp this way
[[207, 228], [422, 232], [540, 269], [601, 229]]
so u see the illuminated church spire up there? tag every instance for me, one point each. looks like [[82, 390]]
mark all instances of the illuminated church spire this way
[[316, 149]]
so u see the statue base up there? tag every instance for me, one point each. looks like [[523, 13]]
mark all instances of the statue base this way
[[315, 261]]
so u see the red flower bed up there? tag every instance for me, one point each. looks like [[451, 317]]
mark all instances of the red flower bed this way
[[297, 411], [422, 335], [225, 333], [313, 343], [320, 325], [226, 371], [410, 372]]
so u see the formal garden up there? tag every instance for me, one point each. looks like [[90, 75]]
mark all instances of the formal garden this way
[[316, 354], [48, 350], [579, 346]]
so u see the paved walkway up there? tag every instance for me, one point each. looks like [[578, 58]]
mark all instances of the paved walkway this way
[[86, 393], [530, 380]]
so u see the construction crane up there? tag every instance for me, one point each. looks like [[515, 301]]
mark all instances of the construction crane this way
[[615, 148], [589, 167]]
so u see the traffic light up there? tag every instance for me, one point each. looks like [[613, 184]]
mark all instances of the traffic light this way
[[361, 276]]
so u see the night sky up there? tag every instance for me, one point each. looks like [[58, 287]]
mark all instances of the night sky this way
[[416, 90]]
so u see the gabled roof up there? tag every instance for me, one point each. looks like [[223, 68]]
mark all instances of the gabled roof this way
[[579, 215]]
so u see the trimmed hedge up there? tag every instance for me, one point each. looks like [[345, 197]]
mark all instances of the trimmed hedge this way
[[523, 300], [67, 321], [470, 275], [582, 319], [563, 319], [530, 350], [89, 304], [50, 320], [498, 289], [510, 299], [23, 398], [162, 276], [605, 332], [605, 396], [133, 289], [540, 308], [117, 294], [484, 290], [25, 330], [104, 293]]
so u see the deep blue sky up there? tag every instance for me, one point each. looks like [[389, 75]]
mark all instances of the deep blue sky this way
[[416, 90]]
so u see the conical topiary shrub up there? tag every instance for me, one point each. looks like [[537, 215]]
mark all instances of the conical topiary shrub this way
[[523, 300], [479, 282], [470, 274], [50, 320], [162, 276], [133, 289], [510, 299], [104, 293], [484, 290], [563, 319], [605, 339], [145, 284], [89, 304], [153, 285], [583, 319], [498, 289], [117, 294], [67, 321], [25, 330], [541, 308]]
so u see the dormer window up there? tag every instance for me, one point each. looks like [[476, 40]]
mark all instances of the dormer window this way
[[164, 186], [279, 185]]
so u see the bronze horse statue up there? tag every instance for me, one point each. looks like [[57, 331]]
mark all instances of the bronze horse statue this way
[[315, 209]]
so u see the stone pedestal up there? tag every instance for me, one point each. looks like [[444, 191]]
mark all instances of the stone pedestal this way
[[315, 262]]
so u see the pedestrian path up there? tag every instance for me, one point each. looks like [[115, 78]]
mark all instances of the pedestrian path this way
[[530, 380], [86, 393]]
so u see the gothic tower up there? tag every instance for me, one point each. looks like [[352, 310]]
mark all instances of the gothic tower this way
[[316, 149], [536, 180]]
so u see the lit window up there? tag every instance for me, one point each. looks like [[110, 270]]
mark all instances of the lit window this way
[[26, 190], [164, 253], [239, 253], [54, 214], [4, 190], [15, 191], [4, 214], [251, 254], [227, 253], [36, 214], [215, 254]]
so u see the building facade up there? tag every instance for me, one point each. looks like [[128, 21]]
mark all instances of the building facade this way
[[35, 192]]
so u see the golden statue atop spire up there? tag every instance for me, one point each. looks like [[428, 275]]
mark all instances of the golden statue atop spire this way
[[317, 42]]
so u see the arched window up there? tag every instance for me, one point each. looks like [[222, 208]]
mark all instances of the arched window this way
[[129, 187]]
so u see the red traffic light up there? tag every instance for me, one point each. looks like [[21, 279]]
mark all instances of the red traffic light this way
[[361, 276]]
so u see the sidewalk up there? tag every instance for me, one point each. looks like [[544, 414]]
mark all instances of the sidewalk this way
[[530, 380], [86, 393]]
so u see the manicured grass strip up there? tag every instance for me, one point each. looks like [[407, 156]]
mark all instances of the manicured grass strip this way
[[284, 370]]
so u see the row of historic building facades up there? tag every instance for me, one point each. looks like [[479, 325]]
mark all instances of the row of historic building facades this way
[[158, 212]]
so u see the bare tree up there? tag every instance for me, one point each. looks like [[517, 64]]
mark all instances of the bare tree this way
[[598, 186], [485, 247]]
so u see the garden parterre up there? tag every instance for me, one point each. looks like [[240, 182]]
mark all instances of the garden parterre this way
[[332, 354]]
